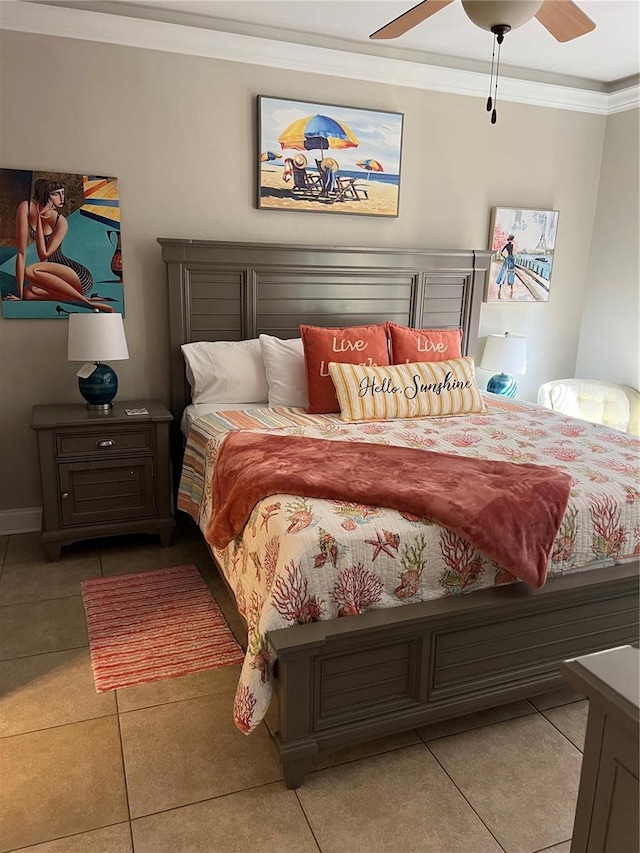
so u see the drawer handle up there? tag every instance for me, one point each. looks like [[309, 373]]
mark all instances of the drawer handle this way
[[106, 442], [65, 496]]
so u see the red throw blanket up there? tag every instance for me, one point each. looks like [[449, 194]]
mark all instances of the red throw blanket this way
[[509, 512]]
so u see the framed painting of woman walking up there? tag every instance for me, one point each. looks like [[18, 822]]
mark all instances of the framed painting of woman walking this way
[[60, 244], [523, 242], [321, 158]]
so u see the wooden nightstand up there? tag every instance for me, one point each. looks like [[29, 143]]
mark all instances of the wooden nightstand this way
[[103, 474], [607, 815]]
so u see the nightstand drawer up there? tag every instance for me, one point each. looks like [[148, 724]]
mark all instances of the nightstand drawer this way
[[105, 442], [113, 490]]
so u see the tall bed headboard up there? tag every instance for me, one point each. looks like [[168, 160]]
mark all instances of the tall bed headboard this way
[[235, 291]]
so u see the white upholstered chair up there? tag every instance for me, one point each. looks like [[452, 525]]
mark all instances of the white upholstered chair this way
[[616, 406]]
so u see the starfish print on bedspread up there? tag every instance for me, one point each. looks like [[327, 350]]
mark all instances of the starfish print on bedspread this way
[[385, 542]]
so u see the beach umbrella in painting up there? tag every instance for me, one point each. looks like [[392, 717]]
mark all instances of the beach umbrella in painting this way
[[269, 155], [370, 166], [317, 132]]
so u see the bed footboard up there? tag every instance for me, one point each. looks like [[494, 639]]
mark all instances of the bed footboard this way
[[358, 678]]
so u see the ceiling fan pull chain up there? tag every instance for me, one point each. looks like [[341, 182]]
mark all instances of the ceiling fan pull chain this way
[[494, 113], [493, 55]]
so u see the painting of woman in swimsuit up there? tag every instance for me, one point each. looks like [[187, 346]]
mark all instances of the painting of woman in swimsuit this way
[[52, 271]]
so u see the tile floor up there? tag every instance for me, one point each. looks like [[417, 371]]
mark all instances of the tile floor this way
[[160, 768]]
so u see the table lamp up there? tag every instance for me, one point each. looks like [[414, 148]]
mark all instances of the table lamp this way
[[96, 337], [508, 354]]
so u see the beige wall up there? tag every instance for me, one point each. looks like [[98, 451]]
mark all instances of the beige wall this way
[[180, 131], [609, 346]]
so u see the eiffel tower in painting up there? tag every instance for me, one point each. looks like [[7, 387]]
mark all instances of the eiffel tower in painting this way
[[542, 242]]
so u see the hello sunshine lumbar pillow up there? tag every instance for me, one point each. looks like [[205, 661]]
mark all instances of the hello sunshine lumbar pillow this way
[[418, 390]]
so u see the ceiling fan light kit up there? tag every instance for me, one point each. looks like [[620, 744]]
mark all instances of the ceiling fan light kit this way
[[487, 14], [499, 17], [562, 18]]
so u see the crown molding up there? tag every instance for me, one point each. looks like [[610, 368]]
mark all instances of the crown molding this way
[[233, 47], [624, 99]]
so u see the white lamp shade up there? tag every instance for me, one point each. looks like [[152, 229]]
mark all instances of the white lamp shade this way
[[96, 336], [489, 13], [505, 353]]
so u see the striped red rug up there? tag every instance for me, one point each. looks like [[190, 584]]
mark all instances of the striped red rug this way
[[151, 625]]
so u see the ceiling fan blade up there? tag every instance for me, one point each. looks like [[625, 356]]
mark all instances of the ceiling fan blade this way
[[564, 20], [410, 19]]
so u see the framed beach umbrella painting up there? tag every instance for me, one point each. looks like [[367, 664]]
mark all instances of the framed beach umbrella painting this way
[[523, 242], [324, 158], [60, 245]]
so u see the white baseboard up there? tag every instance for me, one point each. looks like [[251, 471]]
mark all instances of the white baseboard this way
[[25, 520]]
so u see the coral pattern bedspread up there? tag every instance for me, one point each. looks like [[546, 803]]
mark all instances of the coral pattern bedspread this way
[[510, 512], [300, 560]]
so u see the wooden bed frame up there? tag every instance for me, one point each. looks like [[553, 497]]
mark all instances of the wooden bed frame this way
[[350, 680]]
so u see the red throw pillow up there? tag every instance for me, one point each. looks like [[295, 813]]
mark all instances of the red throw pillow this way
[[349, 345], [411, 345]]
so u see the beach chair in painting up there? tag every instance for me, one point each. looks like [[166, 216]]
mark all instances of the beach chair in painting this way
[[304, 182], [336, 187], [347, 188]]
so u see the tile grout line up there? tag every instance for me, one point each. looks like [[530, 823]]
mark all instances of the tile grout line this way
[[124, 765], [204, 800], [49, 652], [500, 847], [566, 737], [397, 749], [59, 726], [542, 714], [313, 835], [533, 711], [124, 771], [63, 837], [42, 600], [166, 701], [41, 654], [545, 849]]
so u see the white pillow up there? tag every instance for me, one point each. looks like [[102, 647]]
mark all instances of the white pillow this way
[[226, 371], [286, 374]]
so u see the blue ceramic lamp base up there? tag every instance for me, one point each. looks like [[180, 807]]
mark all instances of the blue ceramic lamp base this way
[[100, 388], [502, 383]]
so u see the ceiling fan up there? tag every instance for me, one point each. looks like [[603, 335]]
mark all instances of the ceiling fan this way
[[562, 18]]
